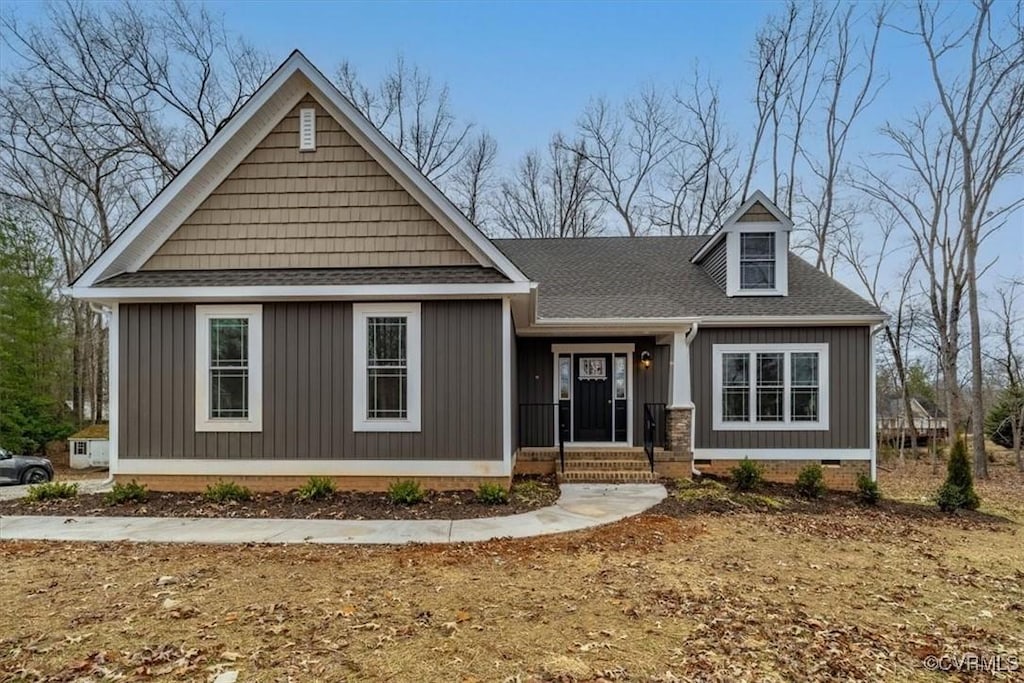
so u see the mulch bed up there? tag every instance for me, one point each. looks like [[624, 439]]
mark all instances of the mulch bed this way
[[716, 497], [528, 494]]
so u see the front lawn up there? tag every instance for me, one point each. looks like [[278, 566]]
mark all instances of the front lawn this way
[[735, 594]]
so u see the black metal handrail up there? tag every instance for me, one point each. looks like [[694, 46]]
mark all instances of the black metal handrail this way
[[537, 422], [654, 429]]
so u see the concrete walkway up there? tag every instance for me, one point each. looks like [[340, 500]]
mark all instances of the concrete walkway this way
[[580, 506]]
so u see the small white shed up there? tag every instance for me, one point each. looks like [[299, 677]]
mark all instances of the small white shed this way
[[90, 447]]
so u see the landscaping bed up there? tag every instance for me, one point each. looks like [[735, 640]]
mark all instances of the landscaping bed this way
[[527, 493], [714, 496]]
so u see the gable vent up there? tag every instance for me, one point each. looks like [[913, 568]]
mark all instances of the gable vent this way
[[307, 130]]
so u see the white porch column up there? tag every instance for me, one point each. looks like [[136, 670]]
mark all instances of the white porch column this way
[[113, 386], [679, 388]]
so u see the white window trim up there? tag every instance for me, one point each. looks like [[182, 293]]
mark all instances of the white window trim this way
[[254, 314], [360, 313], [752, 424], [732, 254]]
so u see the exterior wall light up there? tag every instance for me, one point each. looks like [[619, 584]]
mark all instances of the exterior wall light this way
[[645, 359]]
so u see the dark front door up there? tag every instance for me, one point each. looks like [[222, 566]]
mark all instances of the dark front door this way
[[592, 397]]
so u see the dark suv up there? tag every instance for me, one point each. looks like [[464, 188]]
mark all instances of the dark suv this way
[[24, 469]]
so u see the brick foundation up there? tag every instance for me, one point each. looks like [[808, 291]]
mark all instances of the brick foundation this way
[[267, 484], [842, 477]]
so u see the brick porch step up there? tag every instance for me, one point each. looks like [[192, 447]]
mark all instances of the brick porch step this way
[[608, 476], [606, 464]]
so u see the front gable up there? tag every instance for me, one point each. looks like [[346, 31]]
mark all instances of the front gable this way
[[252, 199], [331, 207]]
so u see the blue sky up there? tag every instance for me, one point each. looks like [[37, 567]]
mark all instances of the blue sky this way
[[524, 70]]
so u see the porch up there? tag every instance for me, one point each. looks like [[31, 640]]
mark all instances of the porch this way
[[597, 409]]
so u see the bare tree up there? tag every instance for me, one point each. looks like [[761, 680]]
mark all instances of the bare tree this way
[[982, 100], [414, 113], [923, 197], [784, 56], [107, 103], [471, 183], [625, 147], [698, 186], [1009, 358], [851, 86], [550, 196], [873, 267]]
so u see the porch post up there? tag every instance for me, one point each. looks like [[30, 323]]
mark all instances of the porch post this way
[[679, 389], [679, 412]]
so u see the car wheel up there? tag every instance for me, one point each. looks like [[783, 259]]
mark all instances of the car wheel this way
[[35, 475]]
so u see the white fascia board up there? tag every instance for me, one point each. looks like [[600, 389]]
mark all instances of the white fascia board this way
[[289, 292], [171, 191], [708, 246], [788, 321]]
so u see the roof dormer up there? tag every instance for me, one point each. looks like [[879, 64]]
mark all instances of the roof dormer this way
[[748, 256]]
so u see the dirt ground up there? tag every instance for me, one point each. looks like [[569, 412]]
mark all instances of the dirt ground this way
[[781, 594]]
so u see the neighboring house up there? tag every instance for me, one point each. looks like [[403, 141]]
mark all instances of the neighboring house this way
[[301, 301], [893, 424], [89, 447]]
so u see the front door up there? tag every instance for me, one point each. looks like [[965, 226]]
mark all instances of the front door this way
[[592, 397]]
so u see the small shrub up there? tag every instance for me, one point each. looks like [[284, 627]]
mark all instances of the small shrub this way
[[406, 492], [747, 476], [132, 492], [317, 488], [958, 490], [227, 492], [51, 490], [492, 494], [808, 482], [867, 490]]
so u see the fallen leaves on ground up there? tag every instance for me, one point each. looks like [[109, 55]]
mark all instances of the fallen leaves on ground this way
[[852, 594]]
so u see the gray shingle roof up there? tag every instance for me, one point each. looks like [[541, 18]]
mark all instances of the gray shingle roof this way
[[306, 276], [652, 277]]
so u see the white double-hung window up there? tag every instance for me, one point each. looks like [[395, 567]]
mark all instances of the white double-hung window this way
[[386, 367], [770, 386], [229, 368]]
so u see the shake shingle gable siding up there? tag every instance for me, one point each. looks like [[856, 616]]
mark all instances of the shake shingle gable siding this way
[[652, 277], [306, 277]]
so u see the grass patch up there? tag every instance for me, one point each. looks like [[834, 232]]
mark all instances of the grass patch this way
[[715, 492], [533, 492]]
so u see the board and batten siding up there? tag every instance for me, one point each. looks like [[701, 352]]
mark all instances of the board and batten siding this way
[[334, 207], [849, 387], [307, 386], [535, 376]]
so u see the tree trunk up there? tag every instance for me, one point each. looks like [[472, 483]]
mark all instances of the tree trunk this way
[[977, 380]]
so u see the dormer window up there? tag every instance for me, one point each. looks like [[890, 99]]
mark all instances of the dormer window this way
[[749, 255], [757, 260]]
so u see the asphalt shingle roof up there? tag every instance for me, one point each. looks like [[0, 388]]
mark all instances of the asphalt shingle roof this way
[[652, 277], [306, 276]]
